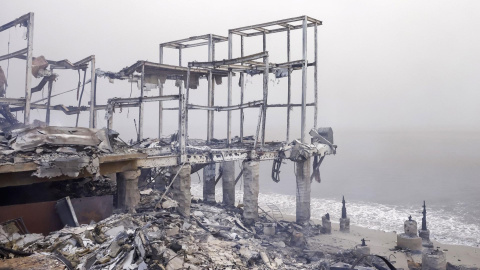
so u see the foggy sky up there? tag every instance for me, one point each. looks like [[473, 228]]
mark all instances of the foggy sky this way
[[402, 65]]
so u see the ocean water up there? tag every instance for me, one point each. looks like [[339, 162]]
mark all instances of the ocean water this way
[[385, 176]]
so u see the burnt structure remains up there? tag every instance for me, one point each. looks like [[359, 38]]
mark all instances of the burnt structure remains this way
[[35, 152]]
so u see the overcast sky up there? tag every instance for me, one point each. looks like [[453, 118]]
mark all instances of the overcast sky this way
[[382, 64]]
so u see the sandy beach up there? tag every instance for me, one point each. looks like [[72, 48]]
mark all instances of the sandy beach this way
[[382, 243]]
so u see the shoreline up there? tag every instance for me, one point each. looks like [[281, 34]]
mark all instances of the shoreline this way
[[381, 243]]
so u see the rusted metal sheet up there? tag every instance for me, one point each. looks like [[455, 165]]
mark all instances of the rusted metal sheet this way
[[93, 208], [43, 218]]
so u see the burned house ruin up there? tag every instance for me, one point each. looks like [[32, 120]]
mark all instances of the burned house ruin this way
[[35, 152]]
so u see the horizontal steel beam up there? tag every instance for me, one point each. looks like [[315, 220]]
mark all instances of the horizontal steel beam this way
[[13, 54], [143, 99], [178, 43], [228, 61], [15, 22], [12, 101], [226, 108], [279, 22]]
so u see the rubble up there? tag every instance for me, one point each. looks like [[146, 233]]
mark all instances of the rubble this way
[[213, 236]]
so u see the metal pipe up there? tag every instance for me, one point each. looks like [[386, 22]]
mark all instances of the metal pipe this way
[[304, 81], [28, 71], [141, 105]]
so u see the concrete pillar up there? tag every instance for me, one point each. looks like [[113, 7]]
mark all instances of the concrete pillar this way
[[209, 183], [228, 182], [250, 190], [303, 191], [128, 195], [345, 225], [181, 189], [326, 225], [434, 260]]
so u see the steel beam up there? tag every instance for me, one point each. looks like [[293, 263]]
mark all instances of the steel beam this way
[[160, 103], [304, 81], [92, 93], [28, 71], [141, 106]]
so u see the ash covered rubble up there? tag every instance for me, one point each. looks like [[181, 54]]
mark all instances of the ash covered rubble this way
[[157, 237], [59, 151]]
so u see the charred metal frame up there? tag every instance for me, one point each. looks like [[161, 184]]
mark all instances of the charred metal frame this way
[[285, 25], [26, 20], [26, 54], [209, 40]]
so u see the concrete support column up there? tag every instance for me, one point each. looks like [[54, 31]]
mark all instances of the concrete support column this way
[[250, 190], [209, 183], [181, 189], [303, 191], [228, 182], [128, 195]]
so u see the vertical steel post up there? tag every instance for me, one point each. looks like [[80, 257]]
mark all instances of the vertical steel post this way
[[50, 86], [265, 88], [210, 92], [187, 101], [180, 56], [229, 113], [181, 112], [110, 122], [28, 71], [289, 85], [304, 80], [160, 103], [91, 122], [95, 102], [213, 95], [242, 86], [315, 80], [140, 106]]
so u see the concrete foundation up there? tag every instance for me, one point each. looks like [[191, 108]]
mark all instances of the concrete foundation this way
[[434, 260], [128, 195], [250, 190], [209, 183], [345, 225], [410, 242], [410, 227], [228, 183], [326, 225], [303, 191], [181, 189], [425, 235]]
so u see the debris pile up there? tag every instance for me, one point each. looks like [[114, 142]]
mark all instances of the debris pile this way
[[157, 237]]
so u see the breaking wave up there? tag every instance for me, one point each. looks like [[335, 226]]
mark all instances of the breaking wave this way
[[445, 226]]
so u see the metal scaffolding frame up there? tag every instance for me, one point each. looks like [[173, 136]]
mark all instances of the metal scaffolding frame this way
[[208, 40], [25, 104], [285, 25]]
